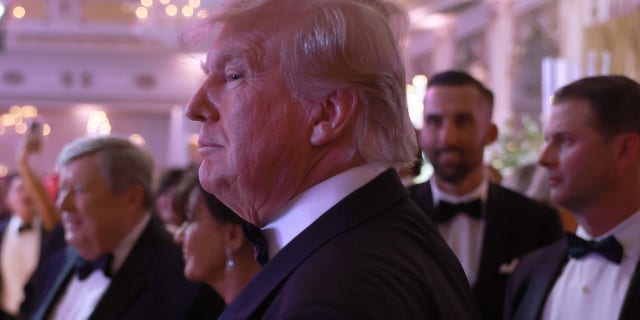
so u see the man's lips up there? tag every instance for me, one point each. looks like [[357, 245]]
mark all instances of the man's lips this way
[[449, 156], [554, 181], [69, 222], [205, 148]]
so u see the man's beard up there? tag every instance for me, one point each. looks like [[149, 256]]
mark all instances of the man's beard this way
[[452, 173]]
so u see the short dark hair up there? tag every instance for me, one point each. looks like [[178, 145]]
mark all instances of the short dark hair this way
[[460, 78], [168, 180], [614, 100]]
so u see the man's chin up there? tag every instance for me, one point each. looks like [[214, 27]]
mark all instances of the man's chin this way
[[450, 176], [215, 184]]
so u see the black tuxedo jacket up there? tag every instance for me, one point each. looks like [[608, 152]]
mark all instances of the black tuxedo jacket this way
[[149, 285], [515, 225], [371, 256], [535, 276]]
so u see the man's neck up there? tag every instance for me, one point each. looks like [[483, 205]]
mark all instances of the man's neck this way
[[600, 221], [466, 185], [604, 213]]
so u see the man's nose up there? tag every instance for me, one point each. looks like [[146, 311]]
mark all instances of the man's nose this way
[[448, 133], [547, 156], [203, 106]]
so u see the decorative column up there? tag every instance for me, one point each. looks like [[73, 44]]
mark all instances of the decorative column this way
[[571, 29], [444, 51], [177, 151], [501, 39]]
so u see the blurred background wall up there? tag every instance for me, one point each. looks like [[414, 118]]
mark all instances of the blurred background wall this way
[[97, 66]]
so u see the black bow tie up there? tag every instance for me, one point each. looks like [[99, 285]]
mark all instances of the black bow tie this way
[[25, 227], [446, 211], [609, 247], [86, 267], [257, 239]]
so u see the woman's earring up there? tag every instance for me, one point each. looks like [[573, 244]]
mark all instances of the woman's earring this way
[[230, 263]]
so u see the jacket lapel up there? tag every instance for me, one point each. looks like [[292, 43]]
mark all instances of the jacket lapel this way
[[493, 242], [122, 290], [131, 279], [422, 196], [55, 291], [631, 307], [541, 281], [355, 209]]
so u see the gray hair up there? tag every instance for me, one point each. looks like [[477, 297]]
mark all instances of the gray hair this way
[[120, 162], [326, 45]]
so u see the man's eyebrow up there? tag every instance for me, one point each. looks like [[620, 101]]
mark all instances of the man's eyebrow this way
[[217, 61], [203, 67]]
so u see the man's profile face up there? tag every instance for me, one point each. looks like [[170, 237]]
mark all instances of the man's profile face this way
[[457, 124], [580, 162], [91, 212], [254, 138]]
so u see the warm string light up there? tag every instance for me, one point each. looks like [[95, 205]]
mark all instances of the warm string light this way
[[18, 117], [98, 123], [415, 95], [137, 139], [16, 121], [170, 8], [4, 170], [19, 12]]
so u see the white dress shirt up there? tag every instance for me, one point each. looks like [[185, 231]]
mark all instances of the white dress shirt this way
[[311, 204], [81, 296], [18, 259], [464, 234], [592, 287]]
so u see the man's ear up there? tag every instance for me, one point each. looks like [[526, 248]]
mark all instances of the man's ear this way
[[338, 111], [135, 195], [627, 148], [492, 135]]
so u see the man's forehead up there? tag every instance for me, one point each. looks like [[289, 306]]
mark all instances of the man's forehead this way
[[569, 114]]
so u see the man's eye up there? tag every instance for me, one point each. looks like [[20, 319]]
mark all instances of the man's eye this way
[[434, 121], [233, 77], [566, 141]]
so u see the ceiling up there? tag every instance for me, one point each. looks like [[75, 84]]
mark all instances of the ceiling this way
[[437, 6]]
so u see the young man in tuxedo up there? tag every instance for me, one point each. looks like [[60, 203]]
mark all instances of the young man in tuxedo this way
[[488, 227], [592, 156]]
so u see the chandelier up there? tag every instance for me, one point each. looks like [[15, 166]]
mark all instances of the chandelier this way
[[179, 9], [164, 20]]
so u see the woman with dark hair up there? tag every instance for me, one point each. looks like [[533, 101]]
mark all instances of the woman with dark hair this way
[[214, 246], [163, 198]]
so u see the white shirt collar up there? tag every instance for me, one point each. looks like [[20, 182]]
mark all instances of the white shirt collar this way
[[122, 250], [626, 232], [481, 191], [15, 222], [311, 204]]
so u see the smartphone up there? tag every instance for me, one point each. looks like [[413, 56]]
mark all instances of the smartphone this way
[[34, 135]]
